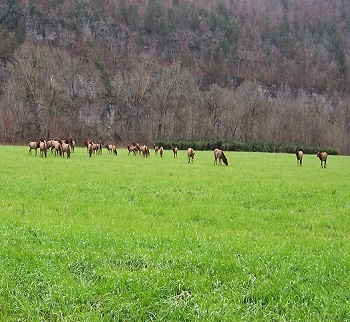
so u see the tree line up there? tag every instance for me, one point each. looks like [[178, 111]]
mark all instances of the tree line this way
[[51, 93]]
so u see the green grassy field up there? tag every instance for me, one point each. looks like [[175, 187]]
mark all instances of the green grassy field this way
[[118, 238]]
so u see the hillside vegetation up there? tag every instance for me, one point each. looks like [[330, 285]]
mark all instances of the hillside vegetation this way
[[266, 71]]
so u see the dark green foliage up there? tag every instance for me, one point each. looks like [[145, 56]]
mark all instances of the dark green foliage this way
[[233, 145]]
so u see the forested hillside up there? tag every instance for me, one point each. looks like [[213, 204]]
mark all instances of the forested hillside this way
[[136, 70]]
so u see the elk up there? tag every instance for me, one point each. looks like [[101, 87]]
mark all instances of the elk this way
[[133, 149], [175, 149], [66, 148], [57, 146], [90, 149], [33, 145], [144, 151], [109, 148], [43, 148], [299, 155], [161, 150], [87, 143], [71, 142], [219, 154], [156, 149], [190, 154], [323, 158]]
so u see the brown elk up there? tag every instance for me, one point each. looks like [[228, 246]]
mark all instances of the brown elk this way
[[299, 155], [156, 149], [109, 148], [87, 143], [132, 149], [219, 154], [33, 145], [323, 158], [175, 149], [90, 149], [99, 148], [144, 151], [48, 144], [71, 142], [57, 146], [190, 154], [161, 150], [66, 148], [43, 148], [96, 147]]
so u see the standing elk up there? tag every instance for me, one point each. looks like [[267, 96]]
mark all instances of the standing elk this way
[[66, 148], [190, 154], [33, 145], [71, 142], [87, 144], [57, 146], [132, 149], [96, 147], [144, 151], [43, 148], [323, 158], [109, 148], [90, 149], [299, 155], [161, 150], [175, 149], [219, 154], [156, 149]]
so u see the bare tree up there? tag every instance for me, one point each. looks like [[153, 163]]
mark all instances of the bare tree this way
[[213, 102], [137, 90]]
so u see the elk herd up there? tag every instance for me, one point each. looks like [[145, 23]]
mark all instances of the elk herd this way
[[59, 147], [64, 147]]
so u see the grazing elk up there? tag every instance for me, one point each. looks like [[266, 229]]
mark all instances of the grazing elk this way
[[161, 150], [175, 149], [299, 155], [323, 158], [33, 145], [219, 154], [190, 154]]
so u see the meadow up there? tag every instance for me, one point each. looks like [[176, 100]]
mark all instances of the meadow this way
[[124, 238]]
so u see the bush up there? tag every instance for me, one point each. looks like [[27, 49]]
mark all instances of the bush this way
[[203, 144]]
